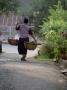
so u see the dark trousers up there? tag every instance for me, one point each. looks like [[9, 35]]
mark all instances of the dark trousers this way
[[21, 47], [0, 48]]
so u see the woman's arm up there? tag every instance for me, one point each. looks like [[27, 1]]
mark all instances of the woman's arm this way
[[17, 27]]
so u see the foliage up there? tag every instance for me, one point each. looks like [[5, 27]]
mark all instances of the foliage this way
[[25, 8], [52, 43], [51, 31], [56, 21], [41, 10], [7, 6]]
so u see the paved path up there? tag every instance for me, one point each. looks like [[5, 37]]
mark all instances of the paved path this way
[[29, 75], [13, 49]]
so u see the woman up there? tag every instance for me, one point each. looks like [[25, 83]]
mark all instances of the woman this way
[[24, 31]]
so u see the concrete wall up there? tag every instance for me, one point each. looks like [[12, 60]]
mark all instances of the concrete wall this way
[[7, 32]]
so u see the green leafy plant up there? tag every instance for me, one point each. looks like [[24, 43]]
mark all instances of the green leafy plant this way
[[7, 6], [51, 32]]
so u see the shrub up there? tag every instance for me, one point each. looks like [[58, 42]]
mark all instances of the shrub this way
[[51, 31]]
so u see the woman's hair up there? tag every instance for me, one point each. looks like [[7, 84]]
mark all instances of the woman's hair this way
[[25, 20]]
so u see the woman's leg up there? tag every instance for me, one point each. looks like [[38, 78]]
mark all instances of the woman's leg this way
[[23, 57], [21, 48]]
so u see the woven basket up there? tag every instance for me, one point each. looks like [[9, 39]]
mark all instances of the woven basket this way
[[13, 41], [30, 45]]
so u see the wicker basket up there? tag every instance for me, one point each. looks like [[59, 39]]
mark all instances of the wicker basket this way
[[13, 41], [30, 45]]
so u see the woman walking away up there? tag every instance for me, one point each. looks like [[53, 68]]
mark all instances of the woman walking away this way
[[24, 31]]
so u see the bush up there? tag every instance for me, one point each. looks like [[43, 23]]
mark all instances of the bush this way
[[51, 31], [53, 42]]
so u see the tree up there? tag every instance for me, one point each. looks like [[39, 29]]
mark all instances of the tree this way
[[7, 6], [57, 20], [41, 10]]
